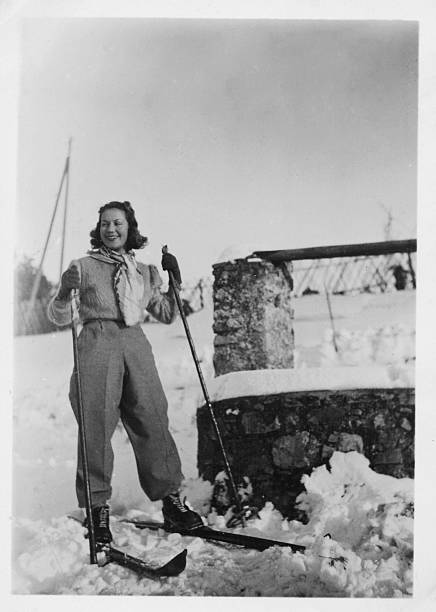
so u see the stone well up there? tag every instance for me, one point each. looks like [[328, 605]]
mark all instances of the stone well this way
[[276, 438], [276, 431]]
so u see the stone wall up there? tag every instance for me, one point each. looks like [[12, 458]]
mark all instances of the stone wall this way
[[275, 439], [253, 317]]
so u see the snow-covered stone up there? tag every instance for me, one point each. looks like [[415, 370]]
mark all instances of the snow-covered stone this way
[[269, 382], [236, 251]]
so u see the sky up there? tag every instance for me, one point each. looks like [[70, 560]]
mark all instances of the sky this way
[[274, 134]]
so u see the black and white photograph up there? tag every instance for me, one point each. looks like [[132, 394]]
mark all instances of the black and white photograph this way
[[215, 270]]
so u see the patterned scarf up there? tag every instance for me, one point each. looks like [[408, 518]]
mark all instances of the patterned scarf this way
[[128, 283]]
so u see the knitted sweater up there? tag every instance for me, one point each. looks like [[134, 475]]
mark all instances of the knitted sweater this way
[[97, 298]]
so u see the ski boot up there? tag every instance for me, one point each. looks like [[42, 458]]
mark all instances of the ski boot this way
[[177, 515], [100, 518]]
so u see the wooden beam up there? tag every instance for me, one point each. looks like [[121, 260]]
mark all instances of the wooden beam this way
[[343, 250]]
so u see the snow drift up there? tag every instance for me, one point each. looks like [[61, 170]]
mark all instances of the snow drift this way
[[359, 543]]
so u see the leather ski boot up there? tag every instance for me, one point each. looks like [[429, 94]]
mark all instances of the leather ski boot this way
[[100, 518], [177, 515]]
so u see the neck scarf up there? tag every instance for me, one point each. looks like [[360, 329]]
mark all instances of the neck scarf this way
[[128, 283]]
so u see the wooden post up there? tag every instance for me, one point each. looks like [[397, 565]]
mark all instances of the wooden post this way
[[200, 286], [37, 280], [332, 323], [412, 271], [67, 182]]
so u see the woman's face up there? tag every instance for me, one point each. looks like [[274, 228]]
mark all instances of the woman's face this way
[[114, 229]]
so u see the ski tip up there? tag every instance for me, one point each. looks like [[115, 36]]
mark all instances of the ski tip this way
[[175, 566]]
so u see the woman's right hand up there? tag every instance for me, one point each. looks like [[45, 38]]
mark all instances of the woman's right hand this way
[[70, 280]]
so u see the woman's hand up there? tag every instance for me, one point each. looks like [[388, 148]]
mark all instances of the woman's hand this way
[[169, 263], [70, 280]]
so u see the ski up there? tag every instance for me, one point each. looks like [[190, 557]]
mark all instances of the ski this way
[[108, 554], [214, 535], [173, 567]]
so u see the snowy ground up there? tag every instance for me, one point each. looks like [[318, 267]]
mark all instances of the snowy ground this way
[[369, 516]]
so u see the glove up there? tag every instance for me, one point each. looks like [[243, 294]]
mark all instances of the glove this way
[[169, 263], [70, 280]]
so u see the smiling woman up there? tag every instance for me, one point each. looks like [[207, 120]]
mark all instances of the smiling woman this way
[[119, 378], [117, 228]]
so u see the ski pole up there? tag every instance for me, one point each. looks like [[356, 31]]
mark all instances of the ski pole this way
[[205, 393], [82, 438]]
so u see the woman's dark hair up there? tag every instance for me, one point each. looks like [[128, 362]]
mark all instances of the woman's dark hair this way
[[134, 238]]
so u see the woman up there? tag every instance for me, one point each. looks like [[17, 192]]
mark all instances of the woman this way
[[118, 373]]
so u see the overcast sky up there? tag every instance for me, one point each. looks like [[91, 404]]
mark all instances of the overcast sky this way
[[277, 134]]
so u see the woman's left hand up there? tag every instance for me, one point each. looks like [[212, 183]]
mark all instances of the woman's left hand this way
[[169, 263]]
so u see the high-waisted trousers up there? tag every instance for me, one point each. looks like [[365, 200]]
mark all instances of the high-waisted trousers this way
[[119, 379]]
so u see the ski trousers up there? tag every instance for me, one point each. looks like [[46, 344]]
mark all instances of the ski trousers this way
[[119, 379]]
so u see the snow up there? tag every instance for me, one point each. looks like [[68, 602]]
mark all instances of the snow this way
[[236, 251], [368, 551], [369, 516], [267, 382]]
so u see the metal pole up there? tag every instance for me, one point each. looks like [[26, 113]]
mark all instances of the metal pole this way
[[82, 440], [64, 227], [206, 395]]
